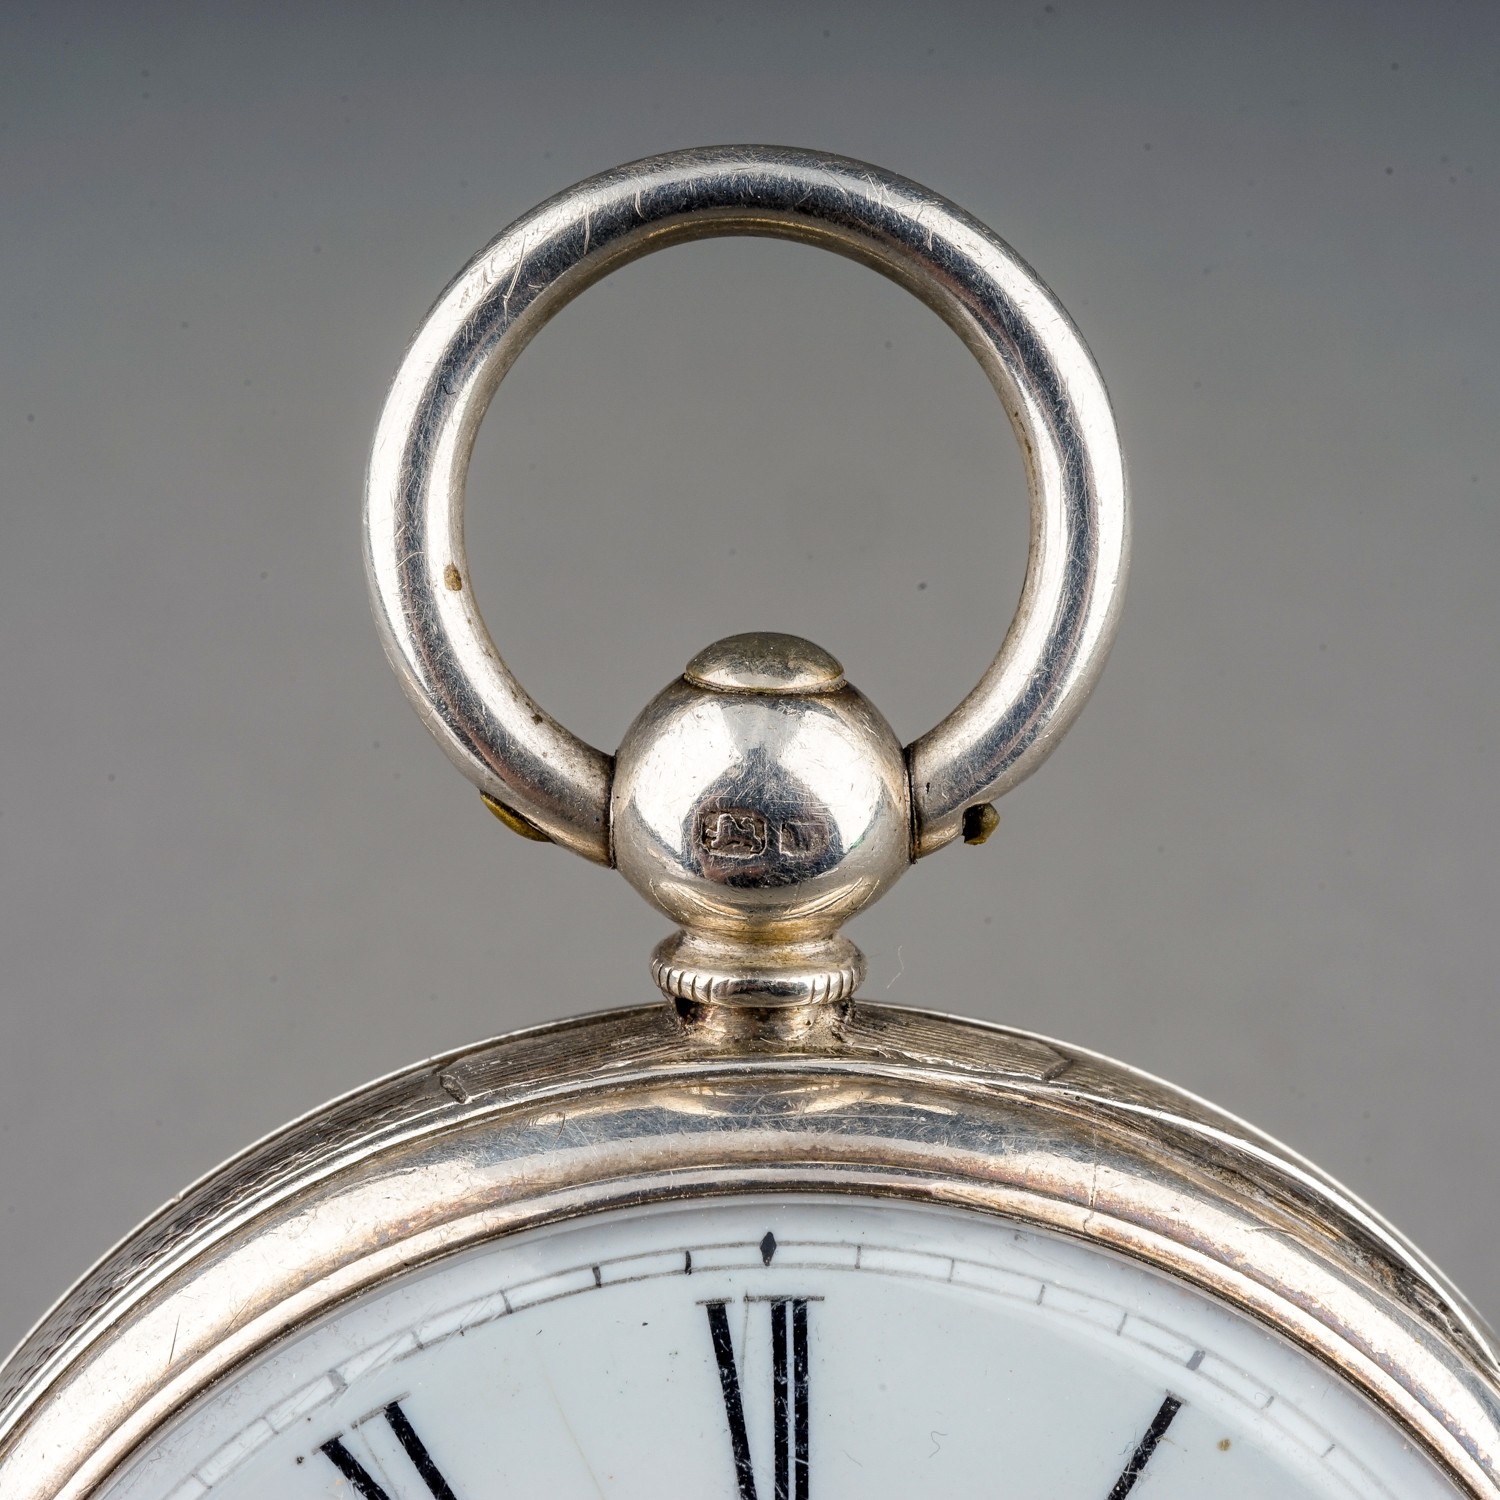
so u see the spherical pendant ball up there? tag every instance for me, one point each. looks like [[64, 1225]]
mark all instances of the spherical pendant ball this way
[[759, 796]]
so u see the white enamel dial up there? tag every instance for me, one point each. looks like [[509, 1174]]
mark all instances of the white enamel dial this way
[[782, 1348]]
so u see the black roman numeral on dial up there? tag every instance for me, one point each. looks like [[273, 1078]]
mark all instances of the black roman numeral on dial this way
[[1146, 1447], [365, 1484], [789, 1396]]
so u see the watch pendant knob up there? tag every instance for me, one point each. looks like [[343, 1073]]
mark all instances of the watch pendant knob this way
[[760, 801]]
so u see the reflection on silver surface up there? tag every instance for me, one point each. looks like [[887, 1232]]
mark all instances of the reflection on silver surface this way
[[760, 818], [629, 1106], [491, 728]]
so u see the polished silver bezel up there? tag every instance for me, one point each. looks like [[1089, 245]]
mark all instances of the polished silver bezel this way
[[634, 1106]]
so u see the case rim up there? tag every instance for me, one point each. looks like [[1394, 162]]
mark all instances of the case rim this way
[[634, 1106]]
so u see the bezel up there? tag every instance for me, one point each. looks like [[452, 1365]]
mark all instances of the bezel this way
[[635, 1106]]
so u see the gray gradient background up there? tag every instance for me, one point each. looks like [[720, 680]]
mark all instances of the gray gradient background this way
[[235, 875]]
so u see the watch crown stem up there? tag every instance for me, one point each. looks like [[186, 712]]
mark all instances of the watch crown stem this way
[[759, 801]]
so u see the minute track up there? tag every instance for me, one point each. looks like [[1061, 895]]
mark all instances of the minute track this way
[[947, 1351]]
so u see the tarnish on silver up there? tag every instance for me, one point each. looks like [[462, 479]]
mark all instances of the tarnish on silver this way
[[630, 1107], [533, 771]]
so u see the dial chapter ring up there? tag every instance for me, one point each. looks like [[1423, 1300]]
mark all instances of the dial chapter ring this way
[[415, 558]]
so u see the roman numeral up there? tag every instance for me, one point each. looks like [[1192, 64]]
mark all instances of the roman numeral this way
[[364, 1483], [1146, 1447], [789, 1396]]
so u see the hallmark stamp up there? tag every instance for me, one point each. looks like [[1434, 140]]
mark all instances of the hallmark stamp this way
[[802, 838], [733, 832], [744, 833]]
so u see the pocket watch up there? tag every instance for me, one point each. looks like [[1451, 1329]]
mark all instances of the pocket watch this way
[[765, 1240]]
